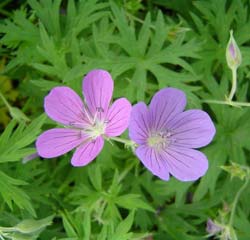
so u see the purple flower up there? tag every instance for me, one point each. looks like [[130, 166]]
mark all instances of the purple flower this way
[[233, 54], [87, 123], [213, 228], [166, 135]]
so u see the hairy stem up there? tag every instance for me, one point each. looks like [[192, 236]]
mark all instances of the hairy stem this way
[[124, 141], [236, 199], [234, 84], [227, 102]]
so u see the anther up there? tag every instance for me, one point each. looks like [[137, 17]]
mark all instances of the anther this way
[[99, 109]]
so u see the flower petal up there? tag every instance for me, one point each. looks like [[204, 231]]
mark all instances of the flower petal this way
[[165, 104], [153, 161], [118, 117], [64, 106], [57, 141], [97, 90], [139, 124], [192, 129], [87, 152], [185, 164]]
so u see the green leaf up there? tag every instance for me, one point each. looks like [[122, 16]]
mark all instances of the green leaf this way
[[173, 188], [49, 13], [139, 81], [132, 201], [11, 192], [67, 224], [30, 226], [95, 176], [18, 115], [217, 158], [123, 228], [87, 225], [45, 85], [14, 144]]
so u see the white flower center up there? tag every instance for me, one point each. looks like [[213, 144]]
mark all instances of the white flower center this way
[[159, 140], [96, 129], [97, 126]]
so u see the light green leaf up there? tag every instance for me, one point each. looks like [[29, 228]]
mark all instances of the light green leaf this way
[[123, 228], [132, 201], [14, 144], [11, 192], [30, 226]]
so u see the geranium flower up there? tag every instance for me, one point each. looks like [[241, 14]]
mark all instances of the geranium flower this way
[[166, 135], [86, 123]]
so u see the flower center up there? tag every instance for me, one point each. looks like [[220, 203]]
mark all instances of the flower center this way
[[159, 140], [95, 129]]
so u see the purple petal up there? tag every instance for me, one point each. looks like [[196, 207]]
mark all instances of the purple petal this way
[[30, 157], [139, 123], [153, 161], [57, 141], [232, 50], [212, 228], [118, 117], [185, 164], [165, 104], [64, 106], [87, 152], [97, 90], [192, 129]]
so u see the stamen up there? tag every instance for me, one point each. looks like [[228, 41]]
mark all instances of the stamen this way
[[99, 109], [78, 125], [159, 140], [96, 129], [85, 109], [94, 120], [95, 126]]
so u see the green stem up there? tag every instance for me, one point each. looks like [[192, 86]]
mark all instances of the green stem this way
[[7, 229], [126, 171], [138, 20], [234, 84], [124, 141], [5, 101], [227, 102], [236, 201]]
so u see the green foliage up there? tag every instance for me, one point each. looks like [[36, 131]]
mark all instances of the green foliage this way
[[146, 45], [11, 192], [14, 144], [26, 229]]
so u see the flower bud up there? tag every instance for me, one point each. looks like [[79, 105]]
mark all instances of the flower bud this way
[[237, 170], [213, 228], [233, 54]]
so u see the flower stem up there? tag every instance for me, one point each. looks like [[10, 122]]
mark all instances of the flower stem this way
[[138, 20], [7, 229], [124, 141], [234, 84], [229, 99], [5, 101], [227, 102], [236, 200]]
